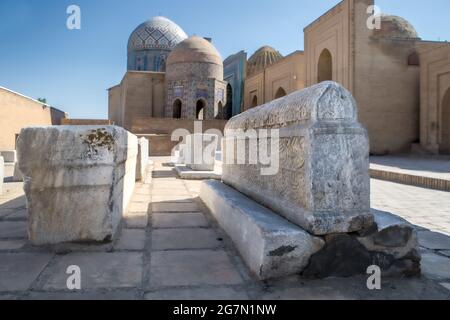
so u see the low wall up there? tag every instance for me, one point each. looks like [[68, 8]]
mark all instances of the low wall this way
[[85, 122], [321, 168], [78, 181], [148, 125], [161, 145], [159, 131], [18, 111]]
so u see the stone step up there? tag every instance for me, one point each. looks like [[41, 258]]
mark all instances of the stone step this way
[[410, 179], [270, 245]]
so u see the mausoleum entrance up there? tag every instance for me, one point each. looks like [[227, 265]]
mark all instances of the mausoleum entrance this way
[[445, 124]]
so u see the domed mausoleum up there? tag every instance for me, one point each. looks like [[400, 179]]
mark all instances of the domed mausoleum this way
[[396, 27], [194, 81], [151, 42], [261, 59]]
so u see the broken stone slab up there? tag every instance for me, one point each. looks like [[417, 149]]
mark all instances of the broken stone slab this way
[[434, 240], [320, 172], [9, 156], [2, 174], [391, 244], [199, 152], [270, 245], [391, 235], [78, 181], [142, 159]]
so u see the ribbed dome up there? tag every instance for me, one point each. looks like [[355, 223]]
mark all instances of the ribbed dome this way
[[396, 27], [157, 33], [262, 58], [194, 49]]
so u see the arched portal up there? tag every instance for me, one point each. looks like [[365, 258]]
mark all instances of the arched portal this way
[[177, 105], [200, 110], [445, 124], [325, 67], [220, 111], [228, 112], [254, 101], [280, 93], [413, 59]]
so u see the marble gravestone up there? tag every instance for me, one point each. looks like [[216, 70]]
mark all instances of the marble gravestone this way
[[199, 152], [318, 180], [78, 181], [322, 183]]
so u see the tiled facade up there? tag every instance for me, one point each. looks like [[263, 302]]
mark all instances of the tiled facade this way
[[151, 42]]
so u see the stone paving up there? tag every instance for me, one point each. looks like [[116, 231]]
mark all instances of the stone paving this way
[[171, 248]]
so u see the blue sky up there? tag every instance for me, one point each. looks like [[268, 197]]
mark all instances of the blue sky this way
[[40, 57]]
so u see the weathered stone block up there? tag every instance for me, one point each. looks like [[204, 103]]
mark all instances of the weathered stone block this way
[[270, 245], [142, 159], [322, 183], [9, 155], [78, 181], [200, 151], [2, 173]]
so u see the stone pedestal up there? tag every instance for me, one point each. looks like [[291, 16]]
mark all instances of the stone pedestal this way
[[320, 173], [142, 159], [78, 181], [318, 179], [200, 151]]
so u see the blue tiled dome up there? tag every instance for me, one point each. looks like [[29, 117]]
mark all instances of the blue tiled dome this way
[[156, 33], [151, 42]]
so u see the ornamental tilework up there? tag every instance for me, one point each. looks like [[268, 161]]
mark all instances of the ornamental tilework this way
[[157, 33]]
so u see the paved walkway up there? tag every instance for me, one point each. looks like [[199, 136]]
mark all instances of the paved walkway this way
[[427, 208], [171, 248]]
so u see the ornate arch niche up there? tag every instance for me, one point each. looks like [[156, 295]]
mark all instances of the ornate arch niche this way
[[254, 101], [280, 93], [200, 109], [325, 66], [177, 109]]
